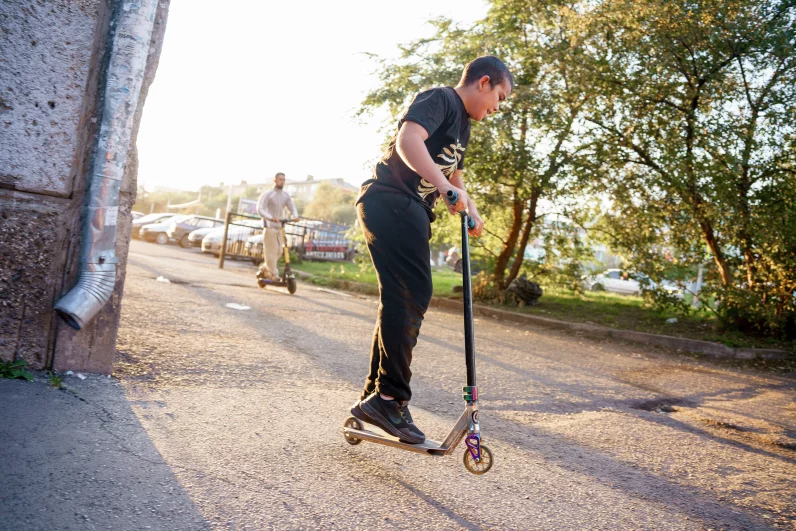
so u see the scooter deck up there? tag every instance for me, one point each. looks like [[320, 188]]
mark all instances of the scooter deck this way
[[426, 447]]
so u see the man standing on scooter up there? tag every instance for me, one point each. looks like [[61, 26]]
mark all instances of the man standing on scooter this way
[[395, 208], [271, 207]]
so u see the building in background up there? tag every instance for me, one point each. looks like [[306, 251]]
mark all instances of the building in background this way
[[304, 191]]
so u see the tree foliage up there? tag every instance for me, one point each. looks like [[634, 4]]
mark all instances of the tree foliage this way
[[521, 157], [675, 119], [331, 204], [693, 131]]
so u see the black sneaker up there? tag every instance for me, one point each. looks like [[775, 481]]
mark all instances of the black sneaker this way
[[388, 415], [356, 411], [403, 406]]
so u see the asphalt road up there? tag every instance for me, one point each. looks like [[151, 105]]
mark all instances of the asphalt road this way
[[246, 406]]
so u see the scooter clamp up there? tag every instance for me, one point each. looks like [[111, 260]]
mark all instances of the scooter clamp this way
[[470, 393]]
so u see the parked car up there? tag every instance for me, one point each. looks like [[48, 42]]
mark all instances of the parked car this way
[[323, 247], [238, 232], [158, 232], [195, 236], [137, 214], [626, 283], [149, 218], [319, 245], [254, 248], [179, 230]]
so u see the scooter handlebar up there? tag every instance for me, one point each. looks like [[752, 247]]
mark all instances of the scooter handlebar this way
[[453, 198]]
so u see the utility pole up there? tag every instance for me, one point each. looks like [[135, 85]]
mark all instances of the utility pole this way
[[698, 288], [229, 199]]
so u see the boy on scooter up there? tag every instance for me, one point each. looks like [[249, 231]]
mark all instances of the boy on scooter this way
[[395, 209]]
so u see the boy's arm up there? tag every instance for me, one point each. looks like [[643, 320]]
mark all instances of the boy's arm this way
[[412, 149], [472, 211]]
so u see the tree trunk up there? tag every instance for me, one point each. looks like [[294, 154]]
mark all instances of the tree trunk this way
[[511, 243], [718, 256], [744, 222], [530, 221]]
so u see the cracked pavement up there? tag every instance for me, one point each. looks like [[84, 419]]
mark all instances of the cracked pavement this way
[[229, 419]]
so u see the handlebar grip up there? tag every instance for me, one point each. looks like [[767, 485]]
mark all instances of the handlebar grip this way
[[453, 198]]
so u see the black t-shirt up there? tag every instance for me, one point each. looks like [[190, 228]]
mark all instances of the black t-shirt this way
[[442, 114]]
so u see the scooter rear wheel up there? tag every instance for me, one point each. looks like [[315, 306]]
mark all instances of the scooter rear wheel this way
[[481, 466], [352, 422]]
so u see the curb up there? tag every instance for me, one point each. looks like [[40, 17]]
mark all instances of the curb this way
[[716, 350], [709, 348]]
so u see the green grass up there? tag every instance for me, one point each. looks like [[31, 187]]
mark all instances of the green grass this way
[[594, 307], [55, 380], [631, 313], [328, 272], [15, 369]]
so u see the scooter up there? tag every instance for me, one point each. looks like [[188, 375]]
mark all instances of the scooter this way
[[288, 279], [477, 457]]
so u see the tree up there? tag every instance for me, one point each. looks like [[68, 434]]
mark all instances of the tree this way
[[693, 117], [331, 204], [521, 157]]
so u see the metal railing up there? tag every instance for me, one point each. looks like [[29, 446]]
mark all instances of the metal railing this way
[[309, 239]]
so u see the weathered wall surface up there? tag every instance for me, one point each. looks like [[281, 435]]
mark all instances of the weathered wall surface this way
[[46, 59], [93, 348], [50, 61], [52, 58]]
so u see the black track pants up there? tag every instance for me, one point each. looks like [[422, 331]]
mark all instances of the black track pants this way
[[397, 231]]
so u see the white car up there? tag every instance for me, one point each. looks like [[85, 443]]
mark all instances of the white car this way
[[238, 233], [619, 281], [195, 237]]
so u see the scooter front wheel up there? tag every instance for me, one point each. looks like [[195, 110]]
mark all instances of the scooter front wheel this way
[[291, 285], [481, 466]]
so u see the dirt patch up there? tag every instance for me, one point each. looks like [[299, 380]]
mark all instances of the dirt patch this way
[[662, 405], [712, 423]]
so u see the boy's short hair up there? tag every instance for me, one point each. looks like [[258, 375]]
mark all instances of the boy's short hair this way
[[278, 174], [487, 65]]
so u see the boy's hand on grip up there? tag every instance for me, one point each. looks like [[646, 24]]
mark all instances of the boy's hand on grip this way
[[461, 200], [479, 225]]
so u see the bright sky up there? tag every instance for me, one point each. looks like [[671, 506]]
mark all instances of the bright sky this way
[[255, 87]]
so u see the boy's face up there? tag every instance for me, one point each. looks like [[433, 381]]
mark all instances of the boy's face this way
[[488, 98]]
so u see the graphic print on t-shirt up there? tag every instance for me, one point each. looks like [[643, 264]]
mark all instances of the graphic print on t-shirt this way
[[450, 161]]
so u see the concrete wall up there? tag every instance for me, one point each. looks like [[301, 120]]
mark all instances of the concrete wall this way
[[51, 76]]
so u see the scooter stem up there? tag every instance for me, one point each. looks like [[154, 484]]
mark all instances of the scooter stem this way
[[469, 334], [470, 392]]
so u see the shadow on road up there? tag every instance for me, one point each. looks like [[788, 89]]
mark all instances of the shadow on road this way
[[552, 447], [80, 459]]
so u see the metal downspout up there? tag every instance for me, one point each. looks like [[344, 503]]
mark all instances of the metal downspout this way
[[133, 24]]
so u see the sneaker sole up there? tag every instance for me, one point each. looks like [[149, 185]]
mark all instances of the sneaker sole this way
[[381, 422]]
